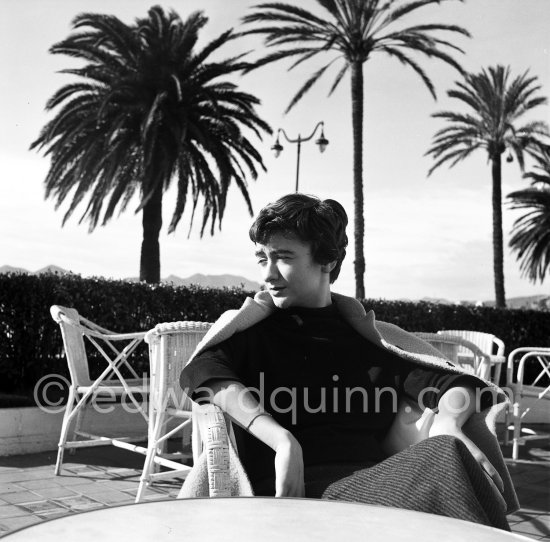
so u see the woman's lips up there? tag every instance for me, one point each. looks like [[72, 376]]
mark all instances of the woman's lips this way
[[277, 290]]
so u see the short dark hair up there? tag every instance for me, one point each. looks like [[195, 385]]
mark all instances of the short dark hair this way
[[322, 224]]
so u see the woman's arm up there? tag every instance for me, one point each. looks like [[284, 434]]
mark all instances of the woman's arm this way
[[455, 406], [241, 406]]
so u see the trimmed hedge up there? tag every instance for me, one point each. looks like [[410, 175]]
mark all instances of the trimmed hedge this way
[[516, 327], [31, 344]]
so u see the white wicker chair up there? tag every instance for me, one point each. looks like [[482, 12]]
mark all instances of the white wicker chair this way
[[489, 344], [522, 393], [212, 430], [475, 361], [170, 347], [116, 348]]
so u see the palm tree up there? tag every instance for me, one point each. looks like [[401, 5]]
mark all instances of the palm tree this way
[[150, 109], [531, 232], [353, 31], [495, 105]]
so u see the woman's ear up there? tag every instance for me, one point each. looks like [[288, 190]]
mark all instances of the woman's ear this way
[[328, 267]]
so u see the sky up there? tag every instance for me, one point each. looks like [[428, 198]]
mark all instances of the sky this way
[[424, 236]]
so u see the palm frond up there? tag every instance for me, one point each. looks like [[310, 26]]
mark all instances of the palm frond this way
[[306, 86], [392, 51], [150, 107]]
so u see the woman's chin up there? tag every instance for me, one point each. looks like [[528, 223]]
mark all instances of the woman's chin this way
[[281, 302]]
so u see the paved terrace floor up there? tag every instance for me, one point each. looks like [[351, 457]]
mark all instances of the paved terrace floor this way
[[100, 477]]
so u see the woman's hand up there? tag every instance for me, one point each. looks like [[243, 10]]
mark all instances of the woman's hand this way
[[289, 468]]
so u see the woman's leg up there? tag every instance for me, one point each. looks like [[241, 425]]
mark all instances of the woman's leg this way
[[438, 475]]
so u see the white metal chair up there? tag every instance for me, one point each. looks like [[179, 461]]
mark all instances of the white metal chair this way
[[451, 346], [170, 347], [84, 391], [489, 344], [525, 396]]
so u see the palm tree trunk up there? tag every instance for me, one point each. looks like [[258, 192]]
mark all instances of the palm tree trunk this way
[[149, 268], [498, 253], [359, 221]]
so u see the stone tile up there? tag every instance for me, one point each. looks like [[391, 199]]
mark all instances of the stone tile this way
[[123, 484], [54, 514], [531, 528], [41, 507], [132, 492], [44, 468], [12, 524], [75, 467], [94, 474], [39, 484], [90, 488], [150, 496], [12, 476], [10, 488], [20, 497], [11, 511], [55, 492], [519, 516], [23, 476], [70, 480], [123, 472], [114, 497], [80, 502], [7, 469], [532, 510], [80, 469]]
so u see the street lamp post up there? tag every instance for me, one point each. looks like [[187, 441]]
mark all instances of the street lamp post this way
[[322, 142]]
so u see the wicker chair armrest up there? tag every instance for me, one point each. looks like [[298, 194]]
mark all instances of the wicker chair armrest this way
[[500, 346], [467, 344], [215, 441], [87, 327], [165, 328]]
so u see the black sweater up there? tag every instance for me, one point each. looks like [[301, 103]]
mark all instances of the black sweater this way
[[333, 389]]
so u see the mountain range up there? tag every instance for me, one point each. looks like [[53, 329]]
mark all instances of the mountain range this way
[[214, 281], [523, 302], [211, 281]]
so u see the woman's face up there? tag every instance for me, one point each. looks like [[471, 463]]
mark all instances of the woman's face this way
[[290, 274]]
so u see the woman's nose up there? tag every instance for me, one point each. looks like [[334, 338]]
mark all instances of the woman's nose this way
[[271, 273]]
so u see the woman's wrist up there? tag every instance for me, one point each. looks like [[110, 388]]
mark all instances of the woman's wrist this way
[[255, 418]]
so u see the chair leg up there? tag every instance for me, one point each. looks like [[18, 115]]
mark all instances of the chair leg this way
[[496, 376], [64, 430], [161, 448], [506, 425], [517, 430], [157, 421], [78, 425]]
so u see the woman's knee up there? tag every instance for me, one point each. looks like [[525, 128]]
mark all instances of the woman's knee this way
[[444, 443]]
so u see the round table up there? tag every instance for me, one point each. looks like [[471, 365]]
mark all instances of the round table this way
[[257, 518]]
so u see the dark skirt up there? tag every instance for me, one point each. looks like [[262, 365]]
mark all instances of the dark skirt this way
[[438, 476]]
